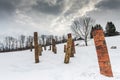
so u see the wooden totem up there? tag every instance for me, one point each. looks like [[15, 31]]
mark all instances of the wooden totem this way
[[54, 48], [36, 47], [102, 52], [68, 49]]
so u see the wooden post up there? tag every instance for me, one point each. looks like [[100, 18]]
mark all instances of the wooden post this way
[[40, 50], [54, 48], [36, 47], [68, 50], [73, 47], [31, 46], [67, 55], [64, 48], [102, 52]]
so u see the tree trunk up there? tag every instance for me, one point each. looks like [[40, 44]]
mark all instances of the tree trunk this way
[[86, 41]]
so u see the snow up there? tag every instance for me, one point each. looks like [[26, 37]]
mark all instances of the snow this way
[[84, 66]]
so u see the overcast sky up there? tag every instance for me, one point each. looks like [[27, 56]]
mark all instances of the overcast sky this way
[[53, 16]]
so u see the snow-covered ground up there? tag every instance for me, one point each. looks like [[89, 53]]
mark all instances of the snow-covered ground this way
[[84, 66]]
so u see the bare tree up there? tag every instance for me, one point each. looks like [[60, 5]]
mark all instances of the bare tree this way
[[1, 46], [82, 26], [64, 38], [48, 39], [22, 40], [43, 37], [29, 40]]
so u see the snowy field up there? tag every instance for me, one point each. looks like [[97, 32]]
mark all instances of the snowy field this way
[[84, 66]]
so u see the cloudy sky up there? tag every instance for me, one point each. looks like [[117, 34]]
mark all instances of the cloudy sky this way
[[53, 16]]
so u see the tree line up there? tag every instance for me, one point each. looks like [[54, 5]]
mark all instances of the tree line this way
[[23, 42]]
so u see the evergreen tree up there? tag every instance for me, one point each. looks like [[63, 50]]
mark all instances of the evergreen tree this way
[[110, 29]]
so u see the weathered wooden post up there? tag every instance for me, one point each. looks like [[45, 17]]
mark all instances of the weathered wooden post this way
[[53, 44], [102, 52], [69, 49], [40, 50], [54, 48], [36, 47], [64, 48], [55, 51], [73, 47]]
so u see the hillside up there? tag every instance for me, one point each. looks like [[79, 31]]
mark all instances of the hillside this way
[[84, 66]]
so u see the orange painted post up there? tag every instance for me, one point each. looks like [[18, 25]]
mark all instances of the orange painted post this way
[[36, 47], [102, 52]]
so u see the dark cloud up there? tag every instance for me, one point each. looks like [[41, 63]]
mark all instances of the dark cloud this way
[[109, 4], [7, 7], [49, 8]]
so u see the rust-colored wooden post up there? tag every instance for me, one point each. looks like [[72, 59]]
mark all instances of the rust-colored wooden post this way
[[40, 50], [68, 50], [102, 52], [36, 47]]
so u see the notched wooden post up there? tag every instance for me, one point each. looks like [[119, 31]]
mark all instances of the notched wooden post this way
[[54, 48], [68, 49], [102, 52], [36, 47]]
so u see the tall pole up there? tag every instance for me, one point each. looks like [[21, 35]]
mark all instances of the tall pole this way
[[102, 52], [36, 47]]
